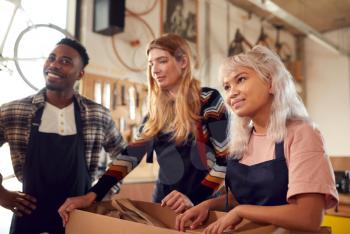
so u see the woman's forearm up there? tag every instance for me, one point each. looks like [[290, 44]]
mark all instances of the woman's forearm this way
[[305, 214]]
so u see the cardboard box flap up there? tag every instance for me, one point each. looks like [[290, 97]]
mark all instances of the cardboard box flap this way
[[248, 227], [88, 222]]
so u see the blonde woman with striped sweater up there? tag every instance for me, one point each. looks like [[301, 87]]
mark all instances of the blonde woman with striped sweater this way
[[186, 126]]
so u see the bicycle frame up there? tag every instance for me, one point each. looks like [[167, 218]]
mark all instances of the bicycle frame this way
[[30, 26], [17, 5]]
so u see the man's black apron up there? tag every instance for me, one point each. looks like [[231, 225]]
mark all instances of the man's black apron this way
[[55, 168], [263, 184]]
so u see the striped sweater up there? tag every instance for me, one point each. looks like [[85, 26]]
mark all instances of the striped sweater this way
[[181, 167]]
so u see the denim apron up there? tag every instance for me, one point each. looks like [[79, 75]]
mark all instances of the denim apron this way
[[55, 168], [264, 184]]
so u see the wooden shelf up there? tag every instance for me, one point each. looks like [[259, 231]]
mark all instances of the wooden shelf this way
[[343, 211], [340, 163]]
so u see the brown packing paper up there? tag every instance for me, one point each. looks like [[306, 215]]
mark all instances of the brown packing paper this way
[[88, 222], [134, 214]]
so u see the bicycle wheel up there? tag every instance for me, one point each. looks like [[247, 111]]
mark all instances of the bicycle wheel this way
[[134, 6], [32, 47], [130, 46]]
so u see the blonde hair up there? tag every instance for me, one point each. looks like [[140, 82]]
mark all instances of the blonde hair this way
[[176, 116], [286, 104]]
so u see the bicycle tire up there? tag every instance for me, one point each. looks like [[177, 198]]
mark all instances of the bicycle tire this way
[[129, 62], [17, 43], [143, 12]]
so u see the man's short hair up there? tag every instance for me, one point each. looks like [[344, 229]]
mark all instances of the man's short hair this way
[[78, 47]]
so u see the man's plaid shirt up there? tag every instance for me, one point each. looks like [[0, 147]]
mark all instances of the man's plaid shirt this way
[[99, 130]]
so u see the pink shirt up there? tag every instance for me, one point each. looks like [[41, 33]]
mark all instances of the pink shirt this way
[[310, 170]]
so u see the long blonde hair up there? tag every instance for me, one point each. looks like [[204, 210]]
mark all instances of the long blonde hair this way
[[176, 116], [286, 104]]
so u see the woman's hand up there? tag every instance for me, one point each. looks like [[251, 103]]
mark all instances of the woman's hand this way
[[196, 215], [19, 203], [72, 203], [229, 221], [177, 201]]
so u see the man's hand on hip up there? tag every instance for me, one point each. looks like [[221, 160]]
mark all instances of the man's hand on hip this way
[[19, 203]]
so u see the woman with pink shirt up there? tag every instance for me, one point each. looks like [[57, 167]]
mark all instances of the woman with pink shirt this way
[[279, 172]]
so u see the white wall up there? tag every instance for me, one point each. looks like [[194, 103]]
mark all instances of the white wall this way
[[218, 21], [224, 19], [328, 91], [103, 59]]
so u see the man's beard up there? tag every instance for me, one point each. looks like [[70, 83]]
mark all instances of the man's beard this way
[[53, 87]]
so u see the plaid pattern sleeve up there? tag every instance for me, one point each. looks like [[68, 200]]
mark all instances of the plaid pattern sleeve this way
[[98, 130], [15, 122], [215, 124]]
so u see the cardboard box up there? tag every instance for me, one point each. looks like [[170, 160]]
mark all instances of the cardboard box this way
[[88, 222]]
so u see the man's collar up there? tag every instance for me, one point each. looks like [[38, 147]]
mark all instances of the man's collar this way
[[39, 98]]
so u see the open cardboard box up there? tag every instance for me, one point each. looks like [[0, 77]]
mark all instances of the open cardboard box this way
[[88, 222]]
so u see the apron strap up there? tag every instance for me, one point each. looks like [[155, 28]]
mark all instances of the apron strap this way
[[201, 144], [226, 202], [279, 150], [34, 128], [77, 116], [227, 205], [150, 147]]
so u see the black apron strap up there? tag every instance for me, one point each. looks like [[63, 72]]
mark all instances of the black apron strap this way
[[227, 208], [227, 205], [150, 147], [78, 120], [34, 129], [200, 141], [279, 150]]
